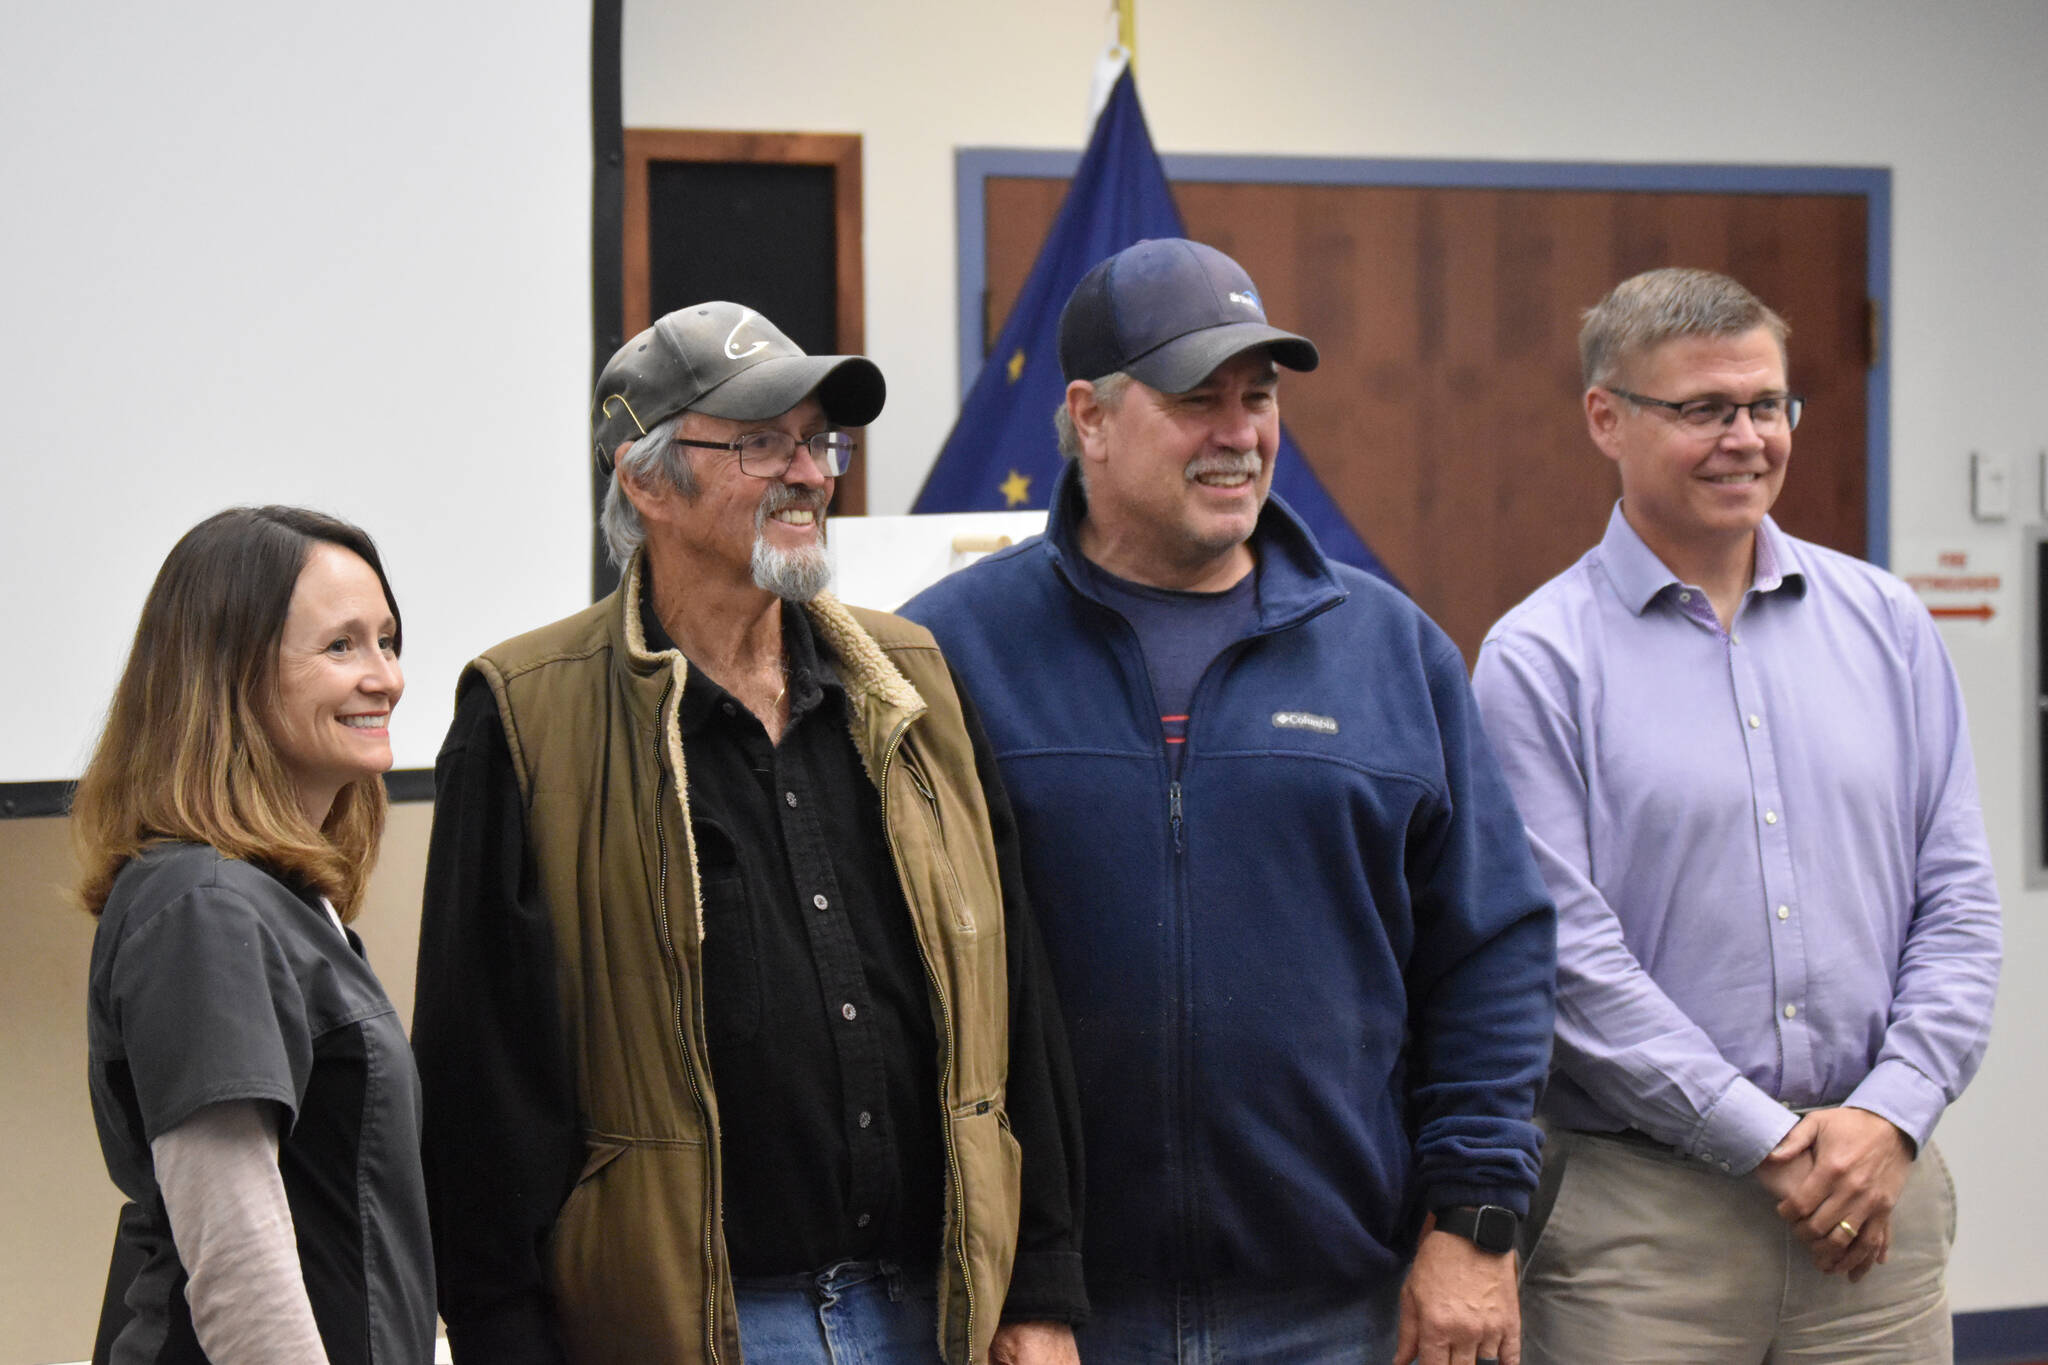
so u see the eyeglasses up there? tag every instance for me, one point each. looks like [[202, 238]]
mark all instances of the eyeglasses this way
[[1780, 412], [769, 454]]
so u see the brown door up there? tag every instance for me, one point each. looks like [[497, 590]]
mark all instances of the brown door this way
[[1445, 419]]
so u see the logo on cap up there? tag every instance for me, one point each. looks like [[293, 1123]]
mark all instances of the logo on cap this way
[[1249, 298], [731, 338]]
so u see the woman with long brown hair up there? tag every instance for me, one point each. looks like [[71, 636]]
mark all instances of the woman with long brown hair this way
[[253, 1088]]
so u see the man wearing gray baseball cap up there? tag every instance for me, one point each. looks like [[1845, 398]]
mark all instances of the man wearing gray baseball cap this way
[[1305, 954], [736, 1034]]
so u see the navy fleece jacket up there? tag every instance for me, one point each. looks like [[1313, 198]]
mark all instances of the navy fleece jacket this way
[[1308, 986]]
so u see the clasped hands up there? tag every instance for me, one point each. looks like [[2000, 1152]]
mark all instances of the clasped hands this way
[[1837, 1176]]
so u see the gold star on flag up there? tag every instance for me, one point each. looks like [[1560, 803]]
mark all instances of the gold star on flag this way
[[1016, 366], [1016, 489]]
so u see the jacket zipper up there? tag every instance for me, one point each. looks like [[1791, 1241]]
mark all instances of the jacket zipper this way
[[946, 1029], [682, 1042], [1173, 813]]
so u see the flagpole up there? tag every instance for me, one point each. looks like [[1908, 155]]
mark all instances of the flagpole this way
[[1127, 29]]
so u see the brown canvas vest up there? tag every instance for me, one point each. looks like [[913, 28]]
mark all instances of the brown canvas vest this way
[[639, 1269]]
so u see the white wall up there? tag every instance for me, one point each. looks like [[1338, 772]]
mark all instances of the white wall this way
[[1952, 97]]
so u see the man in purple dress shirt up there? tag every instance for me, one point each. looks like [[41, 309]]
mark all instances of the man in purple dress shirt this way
[[1746, 775]]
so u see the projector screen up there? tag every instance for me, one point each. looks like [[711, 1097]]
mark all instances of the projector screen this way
[[329, 255]]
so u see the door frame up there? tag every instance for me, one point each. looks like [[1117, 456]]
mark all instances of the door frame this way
[[974, 166], [840, 153]]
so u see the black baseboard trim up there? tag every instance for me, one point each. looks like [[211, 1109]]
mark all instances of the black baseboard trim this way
[[27, 800], [2002, 1336], [34, 800], [409, 784]]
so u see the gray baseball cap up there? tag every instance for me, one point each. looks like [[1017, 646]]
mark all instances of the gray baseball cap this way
[[723, 360]]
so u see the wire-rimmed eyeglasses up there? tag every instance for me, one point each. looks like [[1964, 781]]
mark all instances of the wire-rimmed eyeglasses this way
[[768, 454]]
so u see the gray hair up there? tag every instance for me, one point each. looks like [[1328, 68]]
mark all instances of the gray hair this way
[[653, 454], [1643, 312], [1109, 392]]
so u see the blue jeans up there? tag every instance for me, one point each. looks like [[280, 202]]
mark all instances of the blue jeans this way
[[855, 1313], [1214, 1324]]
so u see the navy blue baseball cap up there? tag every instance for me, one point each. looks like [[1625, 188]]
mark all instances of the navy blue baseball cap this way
[[1167, 312]]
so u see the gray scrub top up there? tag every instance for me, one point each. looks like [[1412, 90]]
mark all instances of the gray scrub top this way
[[213, 980]]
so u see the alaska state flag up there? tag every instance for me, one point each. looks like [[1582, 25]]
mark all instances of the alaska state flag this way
[[1001, 454]]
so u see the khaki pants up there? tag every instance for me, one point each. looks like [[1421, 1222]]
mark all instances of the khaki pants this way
[[1633, 1255]]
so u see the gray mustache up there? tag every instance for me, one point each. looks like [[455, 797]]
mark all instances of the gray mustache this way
[[1244, 462], [782, 495]]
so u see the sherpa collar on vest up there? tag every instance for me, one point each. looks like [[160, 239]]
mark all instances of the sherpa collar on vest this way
[[870, 679]]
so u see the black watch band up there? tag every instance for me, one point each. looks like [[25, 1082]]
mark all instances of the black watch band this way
[[1489, 1227]]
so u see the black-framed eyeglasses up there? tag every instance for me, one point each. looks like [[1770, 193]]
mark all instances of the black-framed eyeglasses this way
[[1779, 412], [768, 454]]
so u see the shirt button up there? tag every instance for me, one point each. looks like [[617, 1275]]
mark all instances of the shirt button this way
[[862, 1221], [848, 1011], [820, 901], [729, 709], [1770, 817], [1784, 912], [1733, 638], [866, 1118], [1685, 597], [789, 799], [1791, 1011], [1724, 1165], [1754, 722]]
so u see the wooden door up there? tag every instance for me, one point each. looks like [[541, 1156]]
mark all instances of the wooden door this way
[[1445, 419]]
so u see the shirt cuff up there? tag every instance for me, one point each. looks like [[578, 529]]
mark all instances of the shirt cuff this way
[[1898, 1093], [1741, 1129], [1046, 1286], [1453, 1195]]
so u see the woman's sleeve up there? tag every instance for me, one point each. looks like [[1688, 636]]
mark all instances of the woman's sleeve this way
[[233, 1229], [209, 1009]]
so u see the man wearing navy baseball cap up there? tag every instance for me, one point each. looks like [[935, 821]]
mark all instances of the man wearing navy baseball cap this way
[[1305, 956], [736, 1037]]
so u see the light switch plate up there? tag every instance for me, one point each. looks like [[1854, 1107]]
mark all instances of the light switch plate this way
[[1990, 488]]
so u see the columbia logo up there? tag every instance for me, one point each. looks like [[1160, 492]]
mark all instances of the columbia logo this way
[[1305, 720]]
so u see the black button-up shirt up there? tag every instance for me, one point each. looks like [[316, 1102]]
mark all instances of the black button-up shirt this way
[[824, 1053]]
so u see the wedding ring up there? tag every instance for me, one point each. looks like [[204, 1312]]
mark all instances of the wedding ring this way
[[1846, 1226]]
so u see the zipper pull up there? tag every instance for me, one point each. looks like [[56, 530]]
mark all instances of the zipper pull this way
[[917, 780], [1174, 813]]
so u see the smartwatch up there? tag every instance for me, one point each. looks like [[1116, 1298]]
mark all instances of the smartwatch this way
[[1489, 1227]]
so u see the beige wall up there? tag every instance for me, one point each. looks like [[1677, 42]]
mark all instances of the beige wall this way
[[56, 1202]]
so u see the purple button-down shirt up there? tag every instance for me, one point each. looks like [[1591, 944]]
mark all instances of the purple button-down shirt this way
[[1772, 883]]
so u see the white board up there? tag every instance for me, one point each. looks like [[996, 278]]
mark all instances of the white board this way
[[335, 256]]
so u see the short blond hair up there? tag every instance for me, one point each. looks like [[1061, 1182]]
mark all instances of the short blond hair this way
[[1645, 311]]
